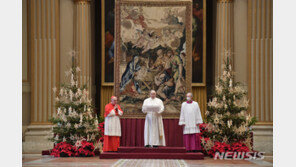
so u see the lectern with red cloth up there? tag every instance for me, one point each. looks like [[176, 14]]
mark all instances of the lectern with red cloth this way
[[132, 130]]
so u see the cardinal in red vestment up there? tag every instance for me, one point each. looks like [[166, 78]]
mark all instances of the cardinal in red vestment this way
[[112, 125]]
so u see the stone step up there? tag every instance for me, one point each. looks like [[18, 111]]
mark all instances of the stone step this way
[[119, 155], [151, 150]]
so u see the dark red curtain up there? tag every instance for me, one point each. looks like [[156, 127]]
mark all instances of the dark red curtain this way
[[132, 132]]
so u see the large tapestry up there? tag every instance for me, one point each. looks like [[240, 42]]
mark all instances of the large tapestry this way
[[153, 50], [198, 42]]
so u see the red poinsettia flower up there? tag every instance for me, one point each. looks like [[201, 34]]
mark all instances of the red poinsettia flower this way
[[63, 149], [101, 126], [86, 149], [239, 147], [101, 131], [219, 147], [203, 127]]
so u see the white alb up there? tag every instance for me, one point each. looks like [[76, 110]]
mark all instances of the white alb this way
[[190, 116]]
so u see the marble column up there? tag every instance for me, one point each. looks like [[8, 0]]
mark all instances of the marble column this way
[[224, 33], [82, 40], [260, 58], [260, 71], [43, 52]]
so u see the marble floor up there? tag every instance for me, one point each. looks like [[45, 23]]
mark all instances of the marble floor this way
[[31, 160]]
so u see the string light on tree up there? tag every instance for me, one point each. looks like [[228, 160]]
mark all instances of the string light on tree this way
[[75, 118], [227, 110]]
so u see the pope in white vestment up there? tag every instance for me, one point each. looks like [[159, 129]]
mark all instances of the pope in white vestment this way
[[153, 132]]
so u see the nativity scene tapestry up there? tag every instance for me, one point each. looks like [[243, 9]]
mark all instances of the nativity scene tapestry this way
[[153, 51]]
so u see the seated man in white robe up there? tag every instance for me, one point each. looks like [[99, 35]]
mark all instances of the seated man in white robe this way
[[154, 132], [190, 118]]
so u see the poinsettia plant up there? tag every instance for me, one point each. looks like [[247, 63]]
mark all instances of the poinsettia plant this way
[[101, 131], [80, 149], [101, 128], [63, 149], [211, 149], [219, 147], [204, 138], [85, 149], [239, 147]]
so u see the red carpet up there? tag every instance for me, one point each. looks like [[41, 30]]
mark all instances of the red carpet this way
[[152, 153]]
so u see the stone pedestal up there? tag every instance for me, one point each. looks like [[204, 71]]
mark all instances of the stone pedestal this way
[[36, 139], [263, 138]]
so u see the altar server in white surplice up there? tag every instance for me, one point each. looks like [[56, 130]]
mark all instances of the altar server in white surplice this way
[[190, 118], [153, 132]]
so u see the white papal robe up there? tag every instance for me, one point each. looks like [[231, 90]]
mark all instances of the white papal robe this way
[[154, 131]]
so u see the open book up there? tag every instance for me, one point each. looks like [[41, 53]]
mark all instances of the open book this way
[[153, 108]]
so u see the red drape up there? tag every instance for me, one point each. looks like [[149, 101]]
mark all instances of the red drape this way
[[132, 132]]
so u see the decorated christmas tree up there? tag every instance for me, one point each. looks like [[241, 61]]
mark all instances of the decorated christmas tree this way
[[228, 121], [75, 120]]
